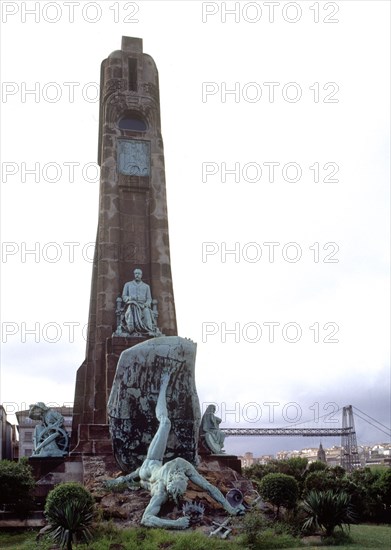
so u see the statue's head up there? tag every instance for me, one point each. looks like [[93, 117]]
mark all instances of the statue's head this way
[[37, 410], [177, 485], [138, 274]]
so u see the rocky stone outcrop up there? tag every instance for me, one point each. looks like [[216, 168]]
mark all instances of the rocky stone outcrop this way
[[127, 507]]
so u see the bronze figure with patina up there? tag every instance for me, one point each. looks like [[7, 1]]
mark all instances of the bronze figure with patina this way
[[167, 481]]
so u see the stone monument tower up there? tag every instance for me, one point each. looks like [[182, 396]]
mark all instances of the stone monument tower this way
[[132, 230]]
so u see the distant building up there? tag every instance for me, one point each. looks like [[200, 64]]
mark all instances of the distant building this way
[[26, 428], [283, 455], [14, 442], [321, 454], [248, 459], [6, 436], [368, 455], [381, 449], [333, 456], [264, 459], [311, 453], [379, 454], [3, 432]]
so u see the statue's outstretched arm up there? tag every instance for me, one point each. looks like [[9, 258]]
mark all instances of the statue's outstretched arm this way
[[122, 479], [150, 517], [217, 495]]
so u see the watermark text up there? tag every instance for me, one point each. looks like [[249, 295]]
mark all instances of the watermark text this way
[[269, 172], [49, 172], [70, 12], [68, 252], [269, 332], [269, 252], [269, 92], [269, 12], [274, 411]]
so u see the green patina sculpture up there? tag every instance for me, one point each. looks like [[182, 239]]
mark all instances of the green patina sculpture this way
[[50, 437], [133, 398], [169, 480], [136, 311], [210, 432]]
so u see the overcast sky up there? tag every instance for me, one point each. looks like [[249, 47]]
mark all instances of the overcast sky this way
[[293, 99]]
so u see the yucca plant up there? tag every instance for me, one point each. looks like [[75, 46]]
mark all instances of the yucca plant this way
[[69, 510], [328, 510], [69, 523]]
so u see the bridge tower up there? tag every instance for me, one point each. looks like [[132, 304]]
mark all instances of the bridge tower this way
[[349, 451]]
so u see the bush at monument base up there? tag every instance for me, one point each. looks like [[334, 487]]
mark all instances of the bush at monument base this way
[[67, 492], [17, 483]]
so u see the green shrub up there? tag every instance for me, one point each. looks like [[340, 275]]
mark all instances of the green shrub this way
[[317, 466], [321, 480], [259, 533], [369, 492], [338, 471], [295, 467], [69, 509], [383, 487], [279, 490], [17, 484], [65, 492], [253, 523]]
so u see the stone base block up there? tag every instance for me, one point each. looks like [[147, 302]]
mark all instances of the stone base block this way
[[226, 461], [49, 472], [93, 439]]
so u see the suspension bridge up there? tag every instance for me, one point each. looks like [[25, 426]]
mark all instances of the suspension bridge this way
[[349, 448]]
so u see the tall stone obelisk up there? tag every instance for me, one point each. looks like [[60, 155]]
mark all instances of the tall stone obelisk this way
[[132, 227]]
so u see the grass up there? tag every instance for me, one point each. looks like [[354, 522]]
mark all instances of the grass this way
[[370, 536], [364, 537], [127, 539], [21, 540], [158, 539]]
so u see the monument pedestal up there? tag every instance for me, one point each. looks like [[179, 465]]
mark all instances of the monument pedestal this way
[[226, 461], [93, 439], [114, 347], [50, 471]]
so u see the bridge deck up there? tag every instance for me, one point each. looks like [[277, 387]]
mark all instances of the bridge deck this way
[[306, 432]]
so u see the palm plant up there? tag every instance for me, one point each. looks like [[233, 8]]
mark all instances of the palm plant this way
[[69, 522], [328, 510]]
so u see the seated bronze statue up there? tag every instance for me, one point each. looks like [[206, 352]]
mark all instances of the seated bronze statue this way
[[136, 311]]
